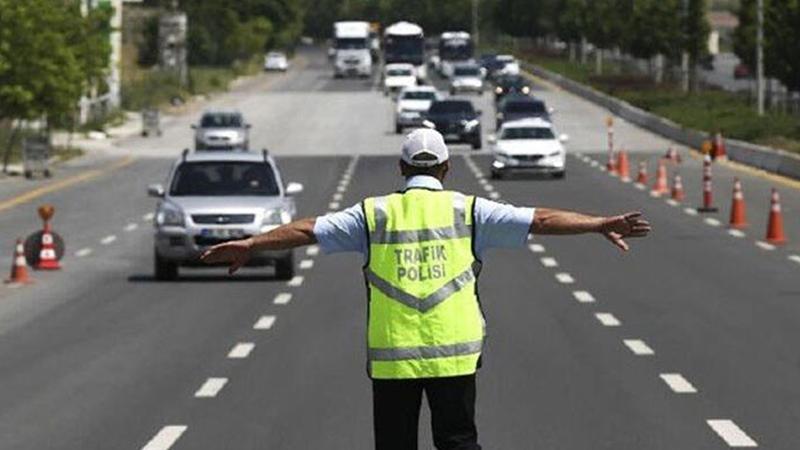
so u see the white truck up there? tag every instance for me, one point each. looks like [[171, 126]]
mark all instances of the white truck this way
[[404, 42], [454, 47], [351, 49]]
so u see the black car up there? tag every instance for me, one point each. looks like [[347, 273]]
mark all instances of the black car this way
[[457, 120], [490, 64], [511, 84], [518, 106]]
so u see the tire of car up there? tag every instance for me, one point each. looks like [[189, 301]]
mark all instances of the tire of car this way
[[398, 129], [477, 144], [560, 175], [284, 268], [164, 270], [497, 175], [452, 91]]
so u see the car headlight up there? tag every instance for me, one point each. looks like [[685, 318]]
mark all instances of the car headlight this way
[[498, 90], [555, 153], [276, 216], [169, 215], [499, 115], [526, 90], [429, 124], [469, 125]]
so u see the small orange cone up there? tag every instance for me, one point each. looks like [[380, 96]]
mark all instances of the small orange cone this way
[[775, 233], [738, 211], [642, 177], [677, 188], [47, 254], [660, 187], [623, 166], [718, 147], [19, 267], [673, 155]]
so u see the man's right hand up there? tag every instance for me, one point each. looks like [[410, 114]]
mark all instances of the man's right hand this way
[[237, 253]]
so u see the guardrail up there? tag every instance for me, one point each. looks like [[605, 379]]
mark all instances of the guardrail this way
[[766, 158]]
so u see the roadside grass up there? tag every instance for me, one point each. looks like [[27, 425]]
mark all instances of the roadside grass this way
[[15, 156]]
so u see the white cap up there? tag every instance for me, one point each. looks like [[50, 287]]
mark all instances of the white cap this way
[[424, 147]]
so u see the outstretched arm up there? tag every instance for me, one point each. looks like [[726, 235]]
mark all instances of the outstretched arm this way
[[614, 228], [237, 253]]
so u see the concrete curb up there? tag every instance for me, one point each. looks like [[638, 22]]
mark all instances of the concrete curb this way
[[766, 158]]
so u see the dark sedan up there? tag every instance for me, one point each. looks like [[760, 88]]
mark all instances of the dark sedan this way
[[457, 120], [511, 84], [518, 106]]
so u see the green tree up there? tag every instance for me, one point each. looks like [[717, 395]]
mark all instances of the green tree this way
[[782, 35], [604, 27]]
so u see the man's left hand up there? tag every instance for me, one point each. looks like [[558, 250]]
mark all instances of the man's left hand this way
[[631, 224]]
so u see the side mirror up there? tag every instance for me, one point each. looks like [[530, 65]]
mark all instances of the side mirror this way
[[193, 126], [248, 126], [492, 139], [563, 138], [429, 124], [551, 110], [294, 188], [155, 190], [479, 112]]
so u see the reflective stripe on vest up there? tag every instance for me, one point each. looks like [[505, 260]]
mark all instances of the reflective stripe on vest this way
[[429, 352], [459, 229]]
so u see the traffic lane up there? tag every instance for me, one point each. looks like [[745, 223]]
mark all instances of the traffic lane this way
[[124, 346], [708, 305]]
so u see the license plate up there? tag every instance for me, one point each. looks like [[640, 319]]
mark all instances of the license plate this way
[[451, 136], [222, 233]]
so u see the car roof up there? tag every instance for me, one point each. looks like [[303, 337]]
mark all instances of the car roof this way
[[399, 66], [276, 53], [466, 65], [222, 111], [453, 100], [505, 57], [422, 88], [536, 122], [520, 98], [224, 156]]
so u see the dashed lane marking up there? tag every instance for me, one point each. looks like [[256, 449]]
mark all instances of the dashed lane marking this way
[[211, 388], [678, 383], [264, 323], [337, 197], [638, 347], [583, 297], [564, 278], [731, 433], [306, 264], [672, 202], [736, 233], [296, 281], [690, 211], [108, 239], [765, 245], [536, 248], [488, 188], [166, 437], [333, 205], [83, 252], [131, 226], [148, 217], [712, 222], [341, 188], [312, 250], [283, 298], [795, 258], [640, 186], [494, 195], [607, 319], [548, 261], [241, 350]]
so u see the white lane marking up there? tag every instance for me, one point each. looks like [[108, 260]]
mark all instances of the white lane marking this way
[[638, 347], [264, 323], [690, 211], [678, 383], [564, 278], [712, 221], [165, 438], [333, 205], [488, 188], [306, 264], [108, 239], [583, 297], [283, 298], [731, 433], [655, 194], [494, 195], [672, 202], [640, 186], [337, 197], [549, 262], [482, 181], [594, 163], [795, 258], [241, 350], [607, 319], [536, 248], [131, 226], [736, 233], [148, 217], [312, 250], [83, 252], [765, 245], [211, 388], [341, 188], [296, 281]]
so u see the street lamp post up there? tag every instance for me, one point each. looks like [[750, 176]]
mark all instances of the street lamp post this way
[[475, 31], [760, 56]]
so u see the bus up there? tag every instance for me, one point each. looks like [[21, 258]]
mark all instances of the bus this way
[[454, 47], [404, 42]]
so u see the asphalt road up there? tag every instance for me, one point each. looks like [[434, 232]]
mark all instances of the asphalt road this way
[[686, 342]]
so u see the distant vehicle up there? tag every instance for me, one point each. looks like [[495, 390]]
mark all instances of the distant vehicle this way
[[511, 84], [214, 197], [466, 77], [517, 106], [454, 47], [221, 130], [457, 120], [490, 65], [397, 77], [404, 42], [351, 44], [412, 105], [375, 41], [741, 71], [530, 145], [276, 61], [510, 65]]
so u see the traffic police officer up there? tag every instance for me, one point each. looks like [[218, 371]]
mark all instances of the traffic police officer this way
[[422, 248]]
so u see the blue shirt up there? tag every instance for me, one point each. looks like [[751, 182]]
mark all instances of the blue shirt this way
[[497, 225]]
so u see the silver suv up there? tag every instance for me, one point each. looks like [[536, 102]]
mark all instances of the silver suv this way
[[213, 197], [221, 130]]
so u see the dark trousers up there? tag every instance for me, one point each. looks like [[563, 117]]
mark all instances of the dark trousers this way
[[396, 405]]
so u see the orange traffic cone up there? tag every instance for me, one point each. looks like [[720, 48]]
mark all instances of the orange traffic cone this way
[[641, 178], [718, 147], [660, 187], [47, 254], [19, 267], [738, 211], [775, 233], [623, 167], [673, 156], [677, 188]]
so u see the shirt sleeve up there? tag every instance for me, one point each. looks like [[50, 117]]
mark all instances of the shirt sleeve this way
[[500, 225], [342, 231]]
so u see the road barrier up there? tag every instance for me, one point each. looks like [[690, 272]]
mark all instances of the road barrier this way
[[660, 186], [677, 188], [775, 234], [641, 178], [766, 158], [708, 191], [738, 217], [19, 266], [48, 259]]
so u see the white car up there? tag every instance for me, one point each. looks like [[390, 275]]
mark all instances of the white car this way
[[510, 65], [276, 61], [466, 78], [398, 76], [412, 104], [530, 145]]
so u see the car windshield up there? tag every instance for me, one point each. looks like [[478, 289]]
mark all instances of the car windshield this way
[[525, 107], [451, 107], [512, 81], [224, 179], [221, 121], [419, 95], [398, 72], [351, 43], [466, 71], [527, 133]]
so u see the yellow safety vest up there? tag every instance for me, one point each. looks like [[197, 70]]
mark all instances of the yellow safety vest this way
[[425, 320]]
